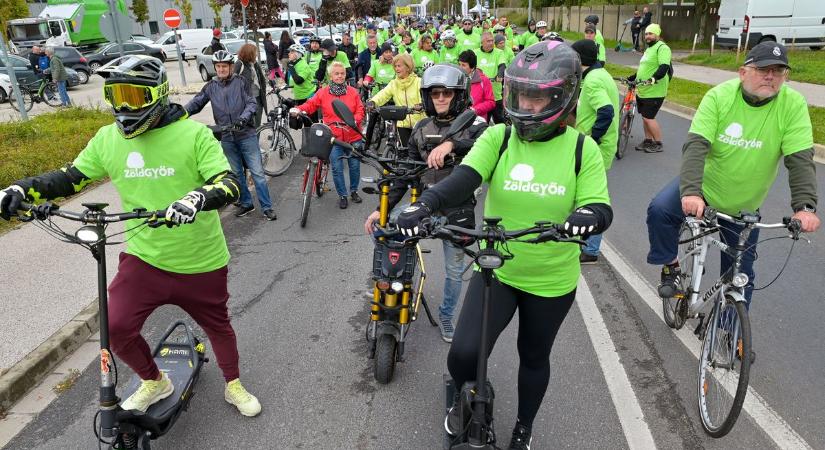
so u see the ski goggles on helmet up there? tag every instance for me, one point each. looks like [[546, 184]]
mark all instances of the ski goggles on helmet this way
[[133, 97]]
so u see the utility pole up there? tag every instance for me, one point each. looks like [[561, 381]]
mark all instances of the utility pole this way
[[18, 97]]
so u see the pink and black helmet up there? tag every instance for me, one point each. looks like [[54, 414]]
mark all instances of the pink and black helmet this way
[[541, 88]]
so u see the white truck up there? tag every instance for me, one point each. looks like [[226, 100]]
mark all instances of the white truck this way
[[799, 23], [62, 23]]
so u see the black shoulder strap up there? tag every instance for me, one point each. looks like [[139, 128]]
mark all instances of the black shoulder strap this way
[[503, 147], [579, 147]]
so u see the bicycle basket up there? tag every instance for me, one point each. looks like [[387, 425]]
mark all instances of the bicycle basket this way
[[317, 141], [393, 260], [395, 113]]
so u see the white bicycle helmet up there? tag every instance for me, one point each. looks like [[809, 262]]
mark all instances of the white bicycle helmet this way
[[447, 35], [298, 48], [541, 23], [222, 56]]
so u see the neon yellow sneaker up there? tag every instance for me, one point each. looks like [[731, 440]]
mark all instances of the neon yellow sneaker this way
[[246, 403], [148, 393]]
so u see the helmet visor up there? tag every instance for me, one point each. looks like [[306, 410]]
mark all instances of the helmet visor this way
[[531, 99], [133, 97]]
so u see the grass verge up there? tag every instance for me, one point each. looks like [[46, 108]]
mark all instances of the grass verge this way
[[807, 66], [689, 93], [46, 142]]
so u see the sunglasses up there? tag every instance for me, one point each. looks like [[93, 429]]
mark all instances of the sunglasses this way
[[441, 93]]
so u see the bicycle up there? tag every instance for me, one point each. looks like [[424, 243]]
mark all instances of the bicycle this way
[[380, 127], [182, 358], [628, 109], [316, 145], [41, 91], [391, 115], [274, 139], [725, 360]]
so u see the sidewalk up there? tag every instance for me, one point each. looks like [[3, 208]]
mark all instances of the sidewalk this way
[[814, 93]]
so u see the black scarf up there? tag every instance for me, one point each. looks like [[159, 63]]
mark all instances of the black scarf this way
[[337, 89]]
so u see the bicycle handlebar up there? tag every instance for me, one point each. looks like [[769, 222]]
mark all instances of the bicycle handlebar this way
[[632, 83], [749, 220], [92, 216]]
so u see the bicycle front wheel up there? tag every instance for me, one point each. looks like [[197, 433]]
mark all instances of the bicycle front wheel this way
[[625, 126], [277, 149], [724, 367], [50, 95], [309, 186], [27, 100]]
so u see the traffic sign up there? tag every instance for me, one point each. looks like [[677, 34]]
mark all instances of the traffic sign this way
[[244, 3], [171, 17]]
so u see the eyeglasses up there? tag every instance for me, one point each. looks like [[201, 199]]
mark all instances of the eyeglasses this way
[[445, 93], [777, 71]]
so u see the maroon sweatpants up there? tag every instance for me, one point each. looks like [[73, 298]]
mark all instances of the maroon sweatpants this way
[[139, 288]]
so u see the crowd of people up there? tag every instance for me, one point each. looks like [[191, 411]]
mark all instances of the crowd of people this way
[[543, 140]]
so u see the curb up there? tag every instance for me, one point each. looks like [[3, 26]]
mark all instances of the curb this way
[[28, 372]]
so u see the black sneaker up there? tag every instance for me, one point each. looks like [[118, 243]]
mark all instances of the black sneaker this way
[[586, 258], [655, 147], [452, 422], [671, 279], [355, 198], [343, 203], [521, 438], [644, 144], [270, 214], [244, 210]]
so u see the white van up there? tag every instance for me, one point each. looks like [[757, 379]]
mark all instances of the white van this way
[[293, 20], [790, 22], [191, 41]]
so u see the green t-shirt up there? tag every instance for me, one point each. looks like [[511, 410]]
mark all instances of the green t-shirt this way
[[468, 41], [747, 143], [403, 48], [382, 74], [527, 39], [654, 56], [599, 89], [307, 88], [488, 63], [507, 54], [313, 60], [450, 55], [153, 170], [420, 57], [536, 181], [602, 56]]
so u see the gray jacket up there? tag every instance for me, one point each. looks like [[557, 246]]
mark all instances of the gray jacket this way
[[231, 103]]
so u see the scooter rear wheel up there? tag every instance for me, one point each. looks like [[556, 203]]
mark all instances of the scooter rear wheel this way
[[386, 351]]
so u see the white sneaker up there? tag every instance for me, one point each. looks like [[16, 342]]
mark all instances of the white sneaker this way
[[148, 393]]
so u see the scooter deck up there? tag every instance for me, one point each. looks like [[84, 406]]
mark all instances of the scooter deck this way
[[175, 360]]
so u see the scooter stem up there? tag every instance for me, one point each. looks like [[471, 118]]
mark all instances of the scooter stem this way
[[108, 399], [477, 432]]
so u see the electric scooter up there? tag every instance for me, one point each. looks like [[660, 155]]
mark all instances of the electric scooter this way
[[181, 358]]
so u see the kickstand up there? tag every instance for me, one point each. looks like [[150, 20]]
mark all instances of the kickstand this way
[[427, 310]]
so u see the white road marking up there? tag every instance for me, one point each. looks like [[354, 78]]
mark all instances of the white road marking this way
[[636, 430], [777, 428]]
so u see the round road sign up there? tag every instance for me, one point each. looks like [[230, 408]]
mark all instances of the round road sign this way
[[171, 17], [244, 3]]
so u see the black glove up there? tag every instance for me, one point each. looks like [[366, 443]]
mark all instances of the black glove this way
[[183, 211], [409, 221], [44, 210], [240, 124], [10, 199], [582, 223]]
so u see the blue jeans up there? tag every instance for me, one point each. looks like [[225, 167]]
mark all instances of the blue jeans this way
[[453, 268], [245, 152], [665, 217], [64, 96], [338, 170], [594, 242]]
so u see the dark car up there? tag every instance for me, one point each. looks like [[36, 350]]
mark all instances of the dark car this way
[[72, 59], [112, 51], [26, 76]]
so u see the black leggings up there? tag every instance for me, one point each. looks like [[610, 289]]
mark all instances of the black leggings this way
[[539, 321], [404, 135]]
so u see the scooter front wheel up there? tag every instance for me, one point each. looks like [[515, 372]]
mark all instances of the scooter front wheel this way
[[386, 351]]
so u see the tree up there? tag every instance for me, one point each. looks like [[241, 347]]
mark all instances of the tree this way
[[374, 8], [141, 11], [702, 8], [12, 9], [336, 12], [216, 9], [259, 13], [185, 9]]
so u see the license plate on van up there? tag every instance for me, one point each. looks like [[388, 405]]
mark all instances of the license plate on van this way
[[724, 30]]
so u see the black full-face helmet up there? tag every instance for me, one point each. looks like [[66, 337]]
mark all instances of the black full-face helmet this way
[[137, 89], [541, 88], [447, 76]]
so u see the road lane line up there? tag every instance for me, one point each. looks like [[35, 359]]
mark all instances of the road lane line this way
[[777, 428], [636, 430]]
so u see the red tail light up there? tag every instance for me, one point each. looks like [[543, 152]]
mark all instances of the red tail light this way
[[83, 60], [747, 24]]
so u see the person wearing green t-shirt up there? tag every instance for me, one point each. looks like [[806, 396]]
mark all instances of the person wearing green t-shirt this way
[[531, 177], [425, 57], [407, 46], [379, 76], [594, 21], [501, 44], [597, 115], [467, 37], [532, 35], [449, 50], [741, 130], [591, 33], [360, 32], [491, 62], [315, 55], [301, 76], [330, 54], [655, 68], [157, 159], [508, 31]]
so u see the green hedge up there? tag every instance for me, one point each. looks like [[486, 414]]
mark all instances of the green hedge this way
[[46, 142]]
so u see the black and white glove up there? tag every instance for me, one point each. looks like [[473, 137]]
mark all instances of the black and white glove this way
[[240, 124], [183, 211], [10, 199], [582, 223], [409, 221]]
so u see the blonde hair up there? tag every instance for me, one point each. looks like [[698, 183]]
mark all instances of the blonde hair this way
[[333, 65], [406, 59]]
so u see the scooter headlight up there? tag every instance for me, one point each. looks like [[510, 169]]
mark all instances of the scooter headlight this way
[[397, 286], [740, 280], [87, 234]]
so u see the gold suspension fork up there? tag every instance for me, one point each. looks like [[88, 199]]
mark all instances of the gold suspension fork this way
[[384, 213]]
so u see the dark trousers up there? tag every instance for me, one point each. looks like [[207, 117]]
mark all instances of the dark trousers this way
[[665, 218], [635, 40], [140, 288], [539, 321], [404, 135]]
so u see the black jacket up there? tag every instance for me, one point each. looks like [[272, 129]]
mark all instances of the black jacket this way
[[283, 48], [365, 59], [646, 19], [271, 54], [216, 45], [350, 50]]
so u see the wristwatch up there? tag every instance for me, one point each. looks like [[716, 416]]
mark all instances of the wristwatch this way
[[805, 208]]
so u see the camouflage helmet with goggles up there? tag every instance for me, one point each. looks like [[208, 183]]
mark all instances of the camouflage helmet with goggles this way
[[137, 89]]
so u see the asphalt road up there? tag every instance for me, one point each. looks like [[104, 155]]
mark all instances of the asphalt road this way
[[299, 311]]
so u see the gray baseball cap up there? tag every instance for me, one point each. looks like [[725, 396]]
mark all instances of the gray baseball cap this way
[[766, 54]]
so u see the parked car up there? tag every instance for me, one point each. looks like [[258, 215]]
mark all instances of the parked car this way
[[204, 58], [230, 35], [112, 51], [74, 78], [22, 69], [324, 33], [5, 88], [190, 41], [141, 39], [72, 59]]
